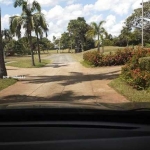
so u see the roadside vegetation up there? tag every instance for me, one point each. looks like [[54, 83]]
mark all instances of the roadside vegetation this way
[[120, 57], [26, 63], [129, 92], [4, 83]]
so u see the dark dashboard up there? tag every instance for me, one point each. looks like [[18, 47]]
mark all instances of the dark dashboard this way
[[74, 129]]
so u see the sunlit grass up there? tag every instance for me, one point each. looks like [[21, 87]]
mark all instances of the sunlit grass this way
[[130, 93], [4, 83], [27, 63]]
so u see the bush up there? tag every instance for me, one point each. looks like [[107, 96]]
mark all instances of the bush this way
[[93, 58], [144, 63], [119, 58], [137, 70]]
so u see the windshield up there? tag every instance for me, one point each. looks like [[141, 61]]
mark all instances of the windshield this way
[[72, 53]]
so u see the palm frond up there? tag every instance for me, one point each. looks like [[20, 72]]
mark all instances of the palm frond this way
[[14, 21], [90, 33], [101, 23], [18, 3], [35, 6]]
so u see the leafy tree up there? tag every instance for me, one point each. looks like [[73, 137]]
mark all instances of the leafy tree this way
[[3, 71], [97, 30], [26, 20], [77, 29], [7, 35], [47, 44], [89, 44], [65, 40], [126, 34], [135, 21]]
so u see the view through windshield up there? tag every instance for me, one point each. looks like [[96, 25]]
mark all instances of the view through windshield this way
[[73, 53]]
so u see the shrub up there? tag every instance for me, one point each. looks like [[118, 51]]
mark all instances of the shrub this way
[[136, 72], [144, 63], [94, 58], [97, 59]]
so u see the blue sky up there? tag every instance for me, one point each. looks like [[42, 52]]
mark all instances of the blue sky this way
[[59, 12]]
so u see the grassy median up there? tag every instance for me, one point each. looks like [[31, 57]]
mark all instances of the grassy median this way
[[130, 93]]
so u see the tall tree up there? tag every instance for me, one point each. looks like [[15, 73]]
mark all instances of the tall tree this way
[[6, 37], [97, 30], [40, 27], [3, 71], [26, 20], [134, 21], [126, 35], [77, 29], [65, 40]]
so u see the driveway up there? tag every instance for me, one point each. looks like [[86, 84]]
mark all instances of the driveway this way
[[66, 81]]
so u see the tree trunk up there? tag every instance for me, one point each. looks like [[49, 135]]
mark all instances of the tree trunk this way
[[3, 71], [71, 46], [127, 43], [98, 49], [102, 46], [32, 53], [39, 55]]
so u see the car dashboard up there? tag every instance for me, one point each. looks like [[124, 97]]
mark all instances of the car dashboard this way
[[64, 129]]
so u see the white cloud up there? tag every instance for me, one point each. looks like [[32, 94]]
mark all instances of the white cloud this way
[[6, 2], [71, 2], [48, 3], [118, 6], [95, 18], [58, 15], [5, 21], [110, 21], [116, 28]]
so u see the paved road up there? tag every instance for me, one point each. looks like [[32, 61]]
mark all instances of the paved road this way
[[64, 80]]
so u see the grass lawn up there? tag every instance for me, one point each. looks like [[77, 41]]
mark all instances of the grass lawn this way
[[4, 83], [26, 63], [86, 64], [130, 93]]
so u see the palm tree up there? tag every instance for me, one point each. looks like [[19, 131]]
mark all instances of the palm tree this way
[[3, 71], [7, 34], [96, 30], [40, 27], [25, 20], [6, 37]]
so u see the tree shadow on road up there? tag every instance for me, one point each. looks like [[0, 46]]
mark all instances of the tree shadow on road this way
[[68, 96], [73, 78], [56, 65]]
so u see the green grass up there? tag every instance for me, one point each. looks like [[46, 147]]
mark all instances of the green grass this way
[[26, 63], [131, 94], [86, 64], [4, 83]]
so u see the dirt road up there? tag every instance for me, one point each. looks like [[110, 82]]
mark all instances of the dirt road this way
[[64, 80]]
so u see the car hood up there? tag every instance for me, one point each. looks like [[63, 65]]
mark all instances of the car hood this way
[[59, 104]]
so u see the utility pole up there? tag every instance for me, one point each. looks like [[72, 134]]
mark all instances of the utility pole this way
[[59, 45], [142, 24]]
